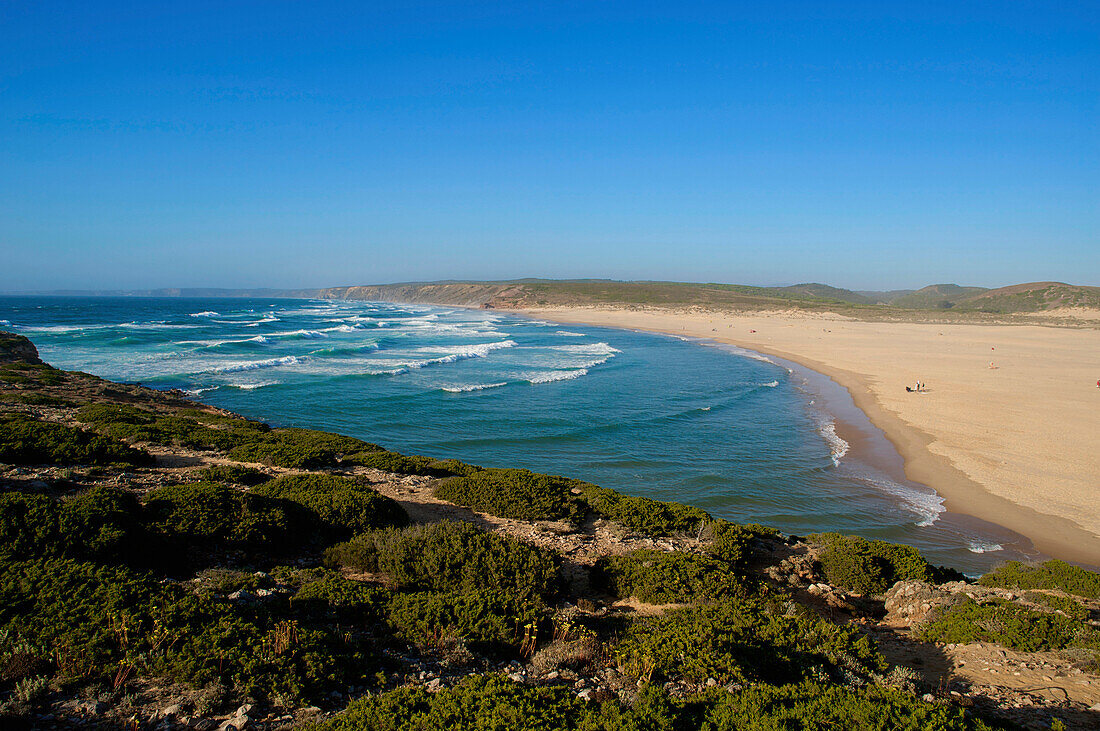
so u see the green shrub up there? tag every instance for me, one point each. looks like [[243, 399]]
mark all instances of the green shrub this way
[[642, 515], [744, 639], [102, 523], [234, 474], [77, 610], [489, 622], [732, 542], [1010, 625], [1071, 608], [814, 705], [1050, 575], [519, 494], [478, 702], [453, 557], [342, 599], [343, 507], [409, 465], [871, 567], [213, 514], [140, 425], [28, 441], [300, 449], [661, 577], [28, 525]]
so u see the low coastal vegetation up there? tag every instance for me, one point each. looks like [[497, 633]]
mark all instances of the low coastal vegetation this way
[[272, 571], [871, 567]]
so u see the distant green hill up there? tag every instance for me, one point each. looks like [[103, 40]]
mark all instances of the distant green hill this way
[[936, 297], [1031, 297]]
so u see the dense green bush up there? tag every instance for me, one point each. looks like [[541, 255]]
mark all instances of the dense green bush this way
[[300, 449], [661, 577], [234, 474], [519, 494], [28, 525], [102, 523], [453, 557], [342, 599], [1070, 607], [1010, 625], [872, 567], [1050, 575], [744, 639], [139, 425], [95, 620], [27, 441], [215, 515], [343, 507], [732, 542], [814, 705], [488, 622], [642, 515], [492, 702], [83, 612], [410, 464]]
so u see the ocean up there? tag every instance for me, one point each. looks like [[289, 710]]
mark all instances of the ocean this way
[[746, 437]]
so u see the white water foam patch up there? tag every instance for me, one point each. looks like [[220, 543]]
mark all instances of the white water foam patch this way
[[975, 546], [258, 339], [199, 391], [568, 334], [926, 505], [205, 313], [557, 376], [770, 384], [837, 446], [300, 334], [252, 386], [475, 387], [5, 323], [253, 365]]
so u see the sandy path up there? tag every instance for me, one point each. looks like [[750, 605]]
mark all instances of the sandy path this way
[[1017, 445]]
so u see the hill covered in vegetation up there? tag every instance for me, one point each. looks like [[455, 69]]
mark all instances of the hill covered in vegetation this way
[[166, 564]]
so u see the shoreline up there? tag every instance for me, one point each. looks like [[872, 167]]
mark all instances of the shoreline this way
[[1054, 535]]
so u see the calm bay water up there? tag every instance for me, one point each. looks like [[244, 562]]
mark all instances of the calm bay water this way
[[645, 414]]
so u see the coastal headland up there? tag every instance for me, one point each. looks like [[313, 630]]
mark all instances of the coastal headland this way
[[1017, 444]]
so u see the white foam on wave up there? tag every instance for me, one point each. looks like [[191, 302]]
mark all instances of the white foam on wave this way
[[253, 365], [454, 354], [976, 546], [568, 334], [475, 387], [770, 384], [155, 326], [199, 391], [303, 334], [587, 349], [205, 313], [557, 376], [252, 386], [926, 505], [837, 446], [258, 339], [5, 323]]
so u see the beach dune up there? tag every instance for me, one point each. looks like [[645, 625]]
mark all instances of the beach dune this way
[[1017, 444]]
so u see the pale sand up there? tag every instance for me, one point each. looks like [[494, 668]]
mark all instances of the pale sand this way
[[1018, 445]]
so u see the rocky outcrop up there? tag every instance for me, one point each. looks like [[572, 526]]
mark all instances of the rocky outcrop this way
[[17, 349], [912, 602]]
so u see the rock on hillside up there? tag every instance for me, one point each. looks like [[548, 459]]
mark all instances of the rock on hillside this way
[[17, 349]]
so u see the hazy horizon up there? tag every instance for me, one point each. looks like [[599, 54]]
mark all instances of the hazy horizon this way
[[865, 146]]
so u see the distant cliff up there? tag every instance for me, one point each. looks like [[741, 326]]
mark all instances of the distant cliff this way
[[460, 294]]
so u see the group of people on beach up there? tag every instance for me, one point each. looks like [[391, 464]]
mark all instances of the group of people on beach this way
[[916, 388]]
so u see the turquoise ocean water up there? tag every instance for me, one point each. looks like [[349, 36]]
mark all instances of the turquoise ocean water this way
[[730, 431]]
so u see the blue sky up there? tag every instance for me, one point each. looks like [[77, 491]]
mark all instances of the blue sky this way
[[324, 143]]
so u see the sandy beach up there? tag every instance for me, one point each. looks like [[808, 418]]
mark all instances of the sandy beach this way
[[1017, 444]]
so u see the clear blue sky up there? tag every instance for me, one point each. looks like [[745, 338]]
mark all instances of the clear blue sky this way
[[323, 143]]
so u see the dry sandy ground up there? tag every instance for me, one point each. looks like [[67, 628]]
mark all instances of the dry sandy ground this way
[[1017, 445]]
